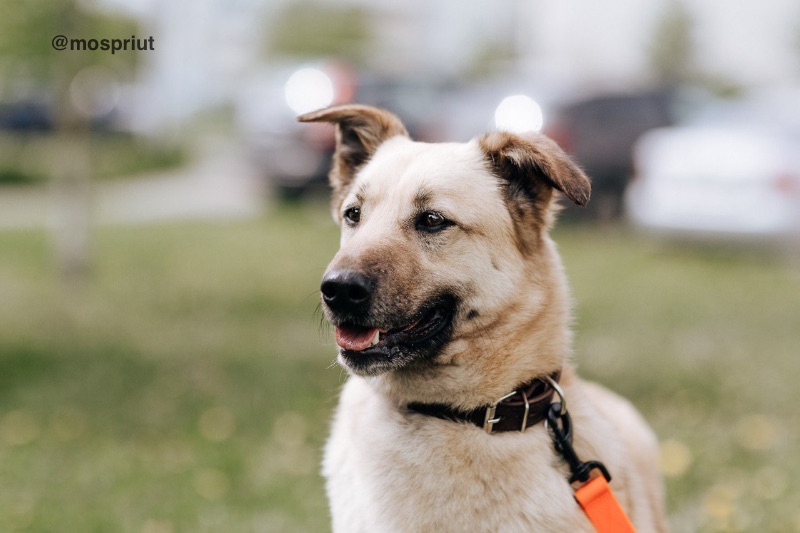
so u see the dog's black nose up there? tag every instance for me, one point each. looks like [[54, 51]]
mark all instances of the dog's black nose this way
[[346, 291]]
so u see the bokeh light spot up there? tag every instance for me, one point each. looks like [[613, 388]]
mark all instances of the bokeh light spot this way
[[158, 526], [518, 114], [217, 424], [19, 427], [675, 458], [757, 432], [211, 484], [68, 424], [308, 89]]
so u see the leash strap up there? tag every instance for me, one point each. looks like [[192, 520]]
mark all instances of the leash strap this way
[[594, 494], [602, 507]]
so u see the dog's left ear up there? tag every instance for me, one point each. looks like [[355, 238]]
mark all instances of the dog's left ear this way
[[360, 130], [527, 159]]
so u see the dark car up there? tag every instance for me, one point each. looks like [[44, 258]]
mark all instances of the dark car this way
[[26, 115], [600, 131]]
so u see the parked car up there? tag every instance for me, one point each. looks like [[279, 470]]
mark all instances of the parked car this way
[[294, 157], [734, 170], [26, 116], [599, 132]]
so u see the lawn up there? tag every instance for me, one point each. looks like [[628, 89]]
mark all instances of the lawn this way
[[187, 385], [111, 155]]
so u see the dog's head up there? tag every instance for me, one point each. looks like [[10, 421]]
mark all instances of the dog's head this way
[[444, 247]]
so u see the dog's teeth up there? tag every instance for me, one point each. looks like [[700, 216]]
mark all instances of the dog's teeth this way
[[376, 339]]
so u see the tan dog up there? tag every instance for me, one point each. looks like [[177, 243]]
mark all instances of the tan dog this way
[[446, 295]]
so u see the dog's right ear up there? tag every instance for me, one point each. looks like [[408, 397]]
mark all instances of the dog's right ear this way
[[360, 130]]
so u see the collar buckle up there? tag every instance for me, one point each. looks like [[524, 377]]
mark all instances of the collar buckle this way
[[490, 420]]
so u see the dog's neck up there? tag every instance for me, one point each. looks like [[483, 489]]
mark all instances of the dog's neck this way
[[468, 381]]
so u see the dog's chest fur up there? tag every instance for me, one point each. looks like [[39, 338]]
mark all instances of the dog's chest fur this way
[[391, 471]]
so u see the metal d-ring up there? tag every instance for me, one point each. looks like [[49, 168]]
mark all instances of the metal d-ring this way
[[556, 387], [525, 416]]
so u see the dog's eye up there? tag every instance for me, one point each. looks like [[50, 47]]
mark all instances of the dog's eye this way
[[352, 216], [432, 221]]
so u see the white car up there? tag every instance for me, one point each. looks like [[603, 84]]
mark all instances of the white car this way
[[735, 174]]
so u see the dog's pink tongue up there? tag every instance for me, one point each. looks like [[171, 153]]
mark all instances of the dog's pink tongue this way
[[355, 339]]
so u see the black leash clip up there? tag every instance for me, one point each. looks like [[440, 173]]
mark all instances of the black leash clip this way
[[560, 425]]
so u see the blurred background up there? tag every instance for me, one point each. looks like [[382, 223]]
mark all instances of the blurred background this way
[[163, 228]]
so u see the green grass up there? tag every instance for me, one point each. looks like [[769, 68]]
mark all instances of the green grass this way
[[706, 344], [187, 386], [25, 159]]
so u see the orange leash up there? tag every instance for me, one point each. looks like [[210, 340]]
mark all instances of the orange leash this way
[[602, 507], [594, 494]]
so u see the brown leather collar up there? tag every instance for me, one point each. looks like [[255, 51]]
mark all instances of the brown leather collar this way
[[517, 411]]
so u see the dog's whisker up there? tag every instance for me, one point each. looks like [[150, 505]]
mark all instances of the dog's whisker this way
[[313, 294]]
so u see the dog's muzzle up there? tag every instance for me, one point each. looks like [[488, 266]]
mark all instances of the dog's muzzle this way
[[376, 338]]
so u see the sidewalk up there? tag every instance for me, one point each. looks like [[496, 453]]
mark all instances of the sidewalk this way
[[221, 184]]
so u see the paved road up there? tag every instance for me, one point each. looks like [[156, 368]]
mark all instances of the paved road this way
[[220, 183]]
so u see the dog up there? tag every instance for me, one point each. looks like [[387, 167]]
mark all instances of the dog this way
[[449, 302]]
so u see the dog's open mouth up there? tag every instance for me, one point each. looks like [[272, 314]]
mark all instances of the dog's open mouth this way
[[371, 350]]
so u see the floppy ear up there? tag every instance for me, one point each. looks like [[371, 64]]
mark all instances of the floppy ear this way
[[527, 161], [360, 130]]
